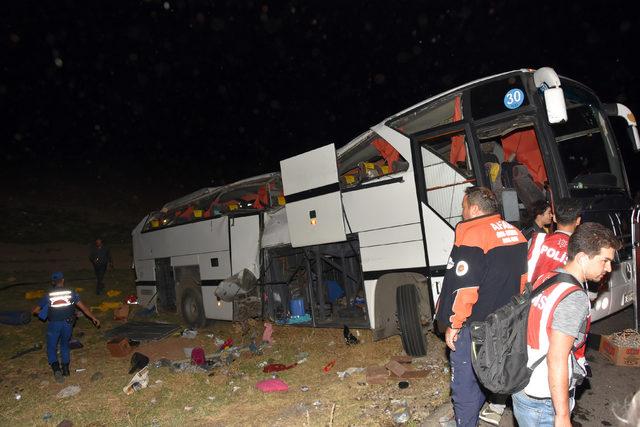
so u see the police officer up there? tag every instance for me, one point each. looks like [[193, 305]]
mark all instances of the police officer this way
[[59, 308]]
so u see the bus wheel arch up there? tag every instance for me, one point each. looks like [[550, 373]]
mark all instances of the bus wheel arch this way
[[402, 307]]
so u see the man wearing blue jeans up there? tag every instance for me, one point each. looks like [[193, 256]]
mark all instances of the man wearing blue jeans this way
[[58, 307], [557, 329], [487, 264]]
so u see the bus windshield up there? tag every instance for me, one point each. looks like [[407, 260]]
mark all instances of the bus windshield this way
[[587, 147]]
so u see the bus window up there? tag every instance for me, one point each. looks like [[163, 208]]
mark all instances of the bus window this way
[[448, 172], [372, 158], [438, 113], [588, 152], [512, 159], [497, 97]]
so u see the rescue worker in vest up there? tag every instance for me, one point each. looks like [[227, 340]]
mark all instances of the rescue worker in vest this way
[[558, 325], [59, 308], [485, 269], [549, 251]]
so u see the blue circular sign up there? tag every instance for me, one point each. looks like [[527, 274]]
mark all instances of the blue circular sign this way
[[514, 99]]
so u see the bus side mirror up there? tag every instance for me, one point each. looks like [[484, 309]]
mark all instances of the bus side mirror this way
[[556, 107], [548, 82], [510, 209], [619, 110]]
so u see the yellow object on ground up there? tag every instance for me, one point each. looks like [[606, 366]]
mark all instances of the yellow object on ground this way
[[79, 289], [113, 293], [108, 305], [34, 294]]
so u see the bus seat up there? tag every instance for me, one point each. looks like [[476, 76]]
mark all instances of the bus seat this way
[[526, 188]]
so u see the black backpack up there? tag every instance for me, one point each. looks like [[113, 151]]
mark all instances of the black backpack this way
[[499, 343]]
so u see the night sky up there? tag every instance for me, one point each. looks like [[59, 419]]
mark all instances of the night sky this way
[[187, 94]]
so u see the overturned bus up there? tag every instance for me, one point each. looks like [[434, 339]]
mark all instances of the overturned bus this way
[[360, 236]]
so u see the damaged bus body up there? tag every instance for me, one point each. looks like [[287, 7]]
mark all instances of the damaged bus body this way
[[361, 236]]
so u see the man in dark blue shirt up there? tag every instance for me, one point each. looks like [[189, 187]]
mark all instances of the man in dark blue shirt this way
[[58, 307], [100, 257]]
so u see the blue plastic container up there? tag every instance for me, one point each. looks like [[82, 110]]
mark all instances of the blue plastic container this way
[[297, 307], [335, 291]]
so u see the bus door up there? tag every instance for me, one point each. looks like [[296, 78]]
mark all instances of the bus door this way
[[444, 169], [313, 199], [244, 242]]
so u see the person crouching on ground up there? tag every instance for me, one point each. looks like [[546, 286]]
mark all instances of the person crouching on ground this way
[[58, 306], [557, 330]]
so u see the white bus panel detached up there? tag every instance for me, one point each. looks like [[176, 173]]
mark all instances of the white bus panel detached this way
[[361, 236]]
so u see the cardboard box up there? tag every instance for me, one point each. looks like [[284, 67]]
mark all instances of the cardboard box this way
[[119, 347], [621, 356]]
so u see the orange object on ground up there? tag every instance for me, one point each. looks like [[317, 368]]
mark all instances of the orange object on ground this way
[[329, 365]]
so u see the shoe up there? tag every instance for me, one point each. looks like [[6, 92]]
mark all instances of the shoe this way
[[488, 415], [57, 373], [65, 370]]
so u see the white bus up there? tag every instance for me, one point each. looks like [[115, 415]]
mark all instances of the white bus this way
[[360, 236]]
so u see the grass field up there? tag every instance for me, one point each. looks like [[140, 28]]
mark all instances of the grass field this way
[[227, 397]]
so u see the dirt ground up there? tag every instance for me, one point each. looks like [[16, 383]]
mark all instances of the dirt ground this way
[[226, 397]]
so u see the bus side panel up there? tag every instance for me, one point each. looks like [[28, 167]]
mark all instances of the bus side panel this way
[[214, 309], [382, 206], [145, 270]]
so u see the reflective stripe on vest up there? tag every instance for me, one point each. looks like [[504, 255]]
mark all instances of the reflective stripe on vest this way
[[59, 299]]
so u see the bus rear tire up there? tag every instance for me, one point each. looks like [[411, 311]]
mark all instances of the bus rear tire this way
[[413, 335], [191, 307]]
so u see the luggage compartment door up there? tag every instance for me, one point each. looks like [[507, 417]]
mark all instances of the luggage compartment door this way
[[314, 203]]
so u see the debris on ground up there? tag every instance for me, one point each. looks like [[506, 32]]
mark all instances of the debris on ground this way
[[400, 413], [15, 318], [189, 333], [107, 306], [267, 334], [227, 344], [197, 356], [96, 376], [113, 293], [328, 366], [349, 338], [350, 371], [37, 346], [271, 385], [75, 344], [138, 362], [121, 313], [69, 391], [376, 374], [119, 347], [139, 381], [30, 295], [277, 367]]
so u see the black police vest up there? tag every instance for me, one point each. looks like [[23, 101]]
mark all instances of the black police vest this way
[[61, 304]]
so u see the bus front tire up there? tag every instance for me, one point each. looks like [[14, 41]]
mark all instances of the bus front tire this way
[[191, 308], [413, 335]]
